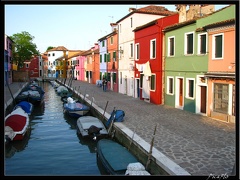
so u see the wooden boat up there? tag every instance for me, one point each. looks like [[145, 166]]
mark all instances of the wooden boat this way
[[114, 157], [16, 125], [26, 106], [90, 126], [75, 108]]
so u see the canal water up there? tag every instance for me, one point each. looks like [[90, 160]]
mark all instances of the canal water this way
[[52, 146]]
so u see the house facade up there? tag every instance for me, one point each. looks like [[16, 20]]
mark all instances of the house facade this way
[[221, 70], [32, 66], [187, 54], [126, 25], [148, 71], [8, 44], [54, 55]]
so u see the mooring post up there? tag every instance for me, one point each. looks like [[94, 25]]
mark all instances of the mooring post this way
[[150, 151], [104, 110], [132, 138]]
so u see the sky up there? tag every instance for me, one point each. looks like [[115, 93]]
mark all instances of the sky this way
[[76, 27]]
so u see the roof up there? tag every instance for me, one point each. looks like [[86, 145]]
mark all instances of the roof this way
[[151, 9], [78, 53], [146, 25], [218, 24], [108, 35], [191, 21]]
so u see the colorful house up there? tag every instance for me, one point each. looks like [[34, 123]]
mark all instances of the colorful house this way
[[148, 59], [220, 77], [8, 44], [54, 55], [186, 61], [112, 61], [80, 68], [32, 66], [91, 64], [126, 25]]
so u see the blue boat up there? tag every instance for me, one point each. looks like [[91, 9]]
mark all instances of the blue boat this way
[[114, 157], [26, 106]]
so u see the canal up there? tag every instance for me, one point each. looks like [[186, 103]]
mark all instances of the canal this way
[[52, 146]]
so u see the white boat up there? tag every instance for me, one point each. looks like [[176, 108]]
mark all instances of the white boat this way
[[90, 126]]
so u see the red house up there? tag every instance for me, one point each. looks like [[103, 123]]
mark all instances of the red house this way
[[148, 65], [32, 66]]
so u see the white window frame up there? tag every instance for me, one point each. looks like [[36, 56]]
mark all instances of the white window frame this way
[[186, 45], [168, 84], [214, 45], [137, 51], [199, 44], [169, 46], [187, 88], [131, 52]]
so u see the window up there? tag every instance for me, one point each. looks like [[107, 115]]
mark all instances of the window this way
[[111, 40], [153, 49], [114, 56], [131, 22], [137, 51], [53, 54], [188, 43], [108, 57], [220, 102], [105, 57], [114, 77], [217, 46], [169, 85], [171, 45], [131, 50], [103, 43], [190, 88], [27, 65], [202, 43], [100, 58], [152, 82]]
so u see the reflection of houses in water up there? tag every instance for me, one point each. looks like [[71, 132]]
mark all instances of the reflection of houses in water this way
[[16, 146]]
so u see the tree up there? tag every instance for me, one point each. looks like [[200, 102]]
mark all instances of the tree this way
[[23, 48], [50, 47]]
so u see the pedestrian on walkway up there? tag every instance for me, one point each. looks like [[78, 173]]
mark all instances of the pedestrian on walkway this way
[[104, 84]]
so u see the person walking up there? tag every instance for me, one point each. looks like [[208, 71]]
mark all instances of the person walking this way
[[104, 84]]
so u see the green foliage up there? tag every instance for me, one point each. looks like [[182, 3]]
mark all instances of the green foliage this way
[[23, 47], [50, 47]]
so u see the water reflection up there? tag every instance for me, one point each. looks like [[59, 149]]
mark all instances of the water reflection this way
[[16, 146], [53, 146]]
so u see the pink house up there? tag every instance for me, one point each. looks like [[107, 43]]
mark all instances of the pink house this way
[[8, 59]]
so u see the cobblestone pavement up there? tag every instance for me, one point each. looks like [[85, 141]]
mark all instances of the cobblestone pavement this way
[[201, 145]]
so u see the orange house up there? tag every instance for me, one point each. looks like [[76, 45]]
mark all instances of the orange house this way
[[112, 64], [92, 64], [221, 93]]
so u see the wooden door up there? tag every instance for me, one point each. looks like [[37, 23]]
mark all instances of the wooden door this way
[[203, 99]]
